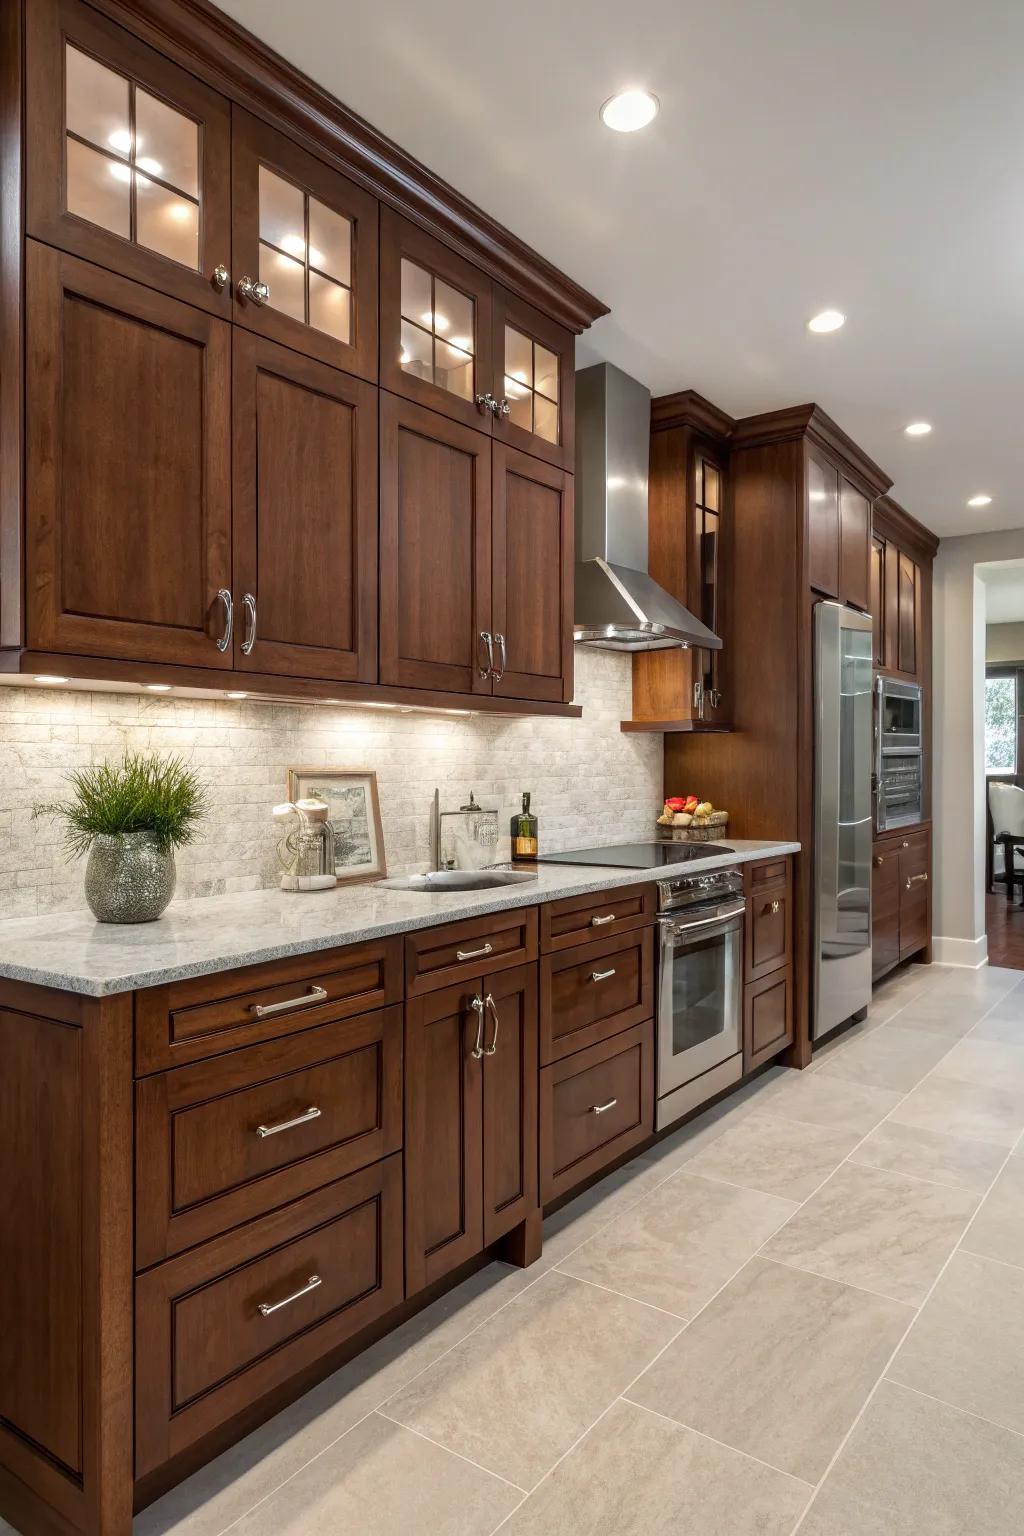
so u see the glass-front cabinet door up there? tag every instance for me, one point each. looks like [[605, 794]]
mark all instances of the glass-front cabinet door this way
[[305, 249], [435, 344], [127, 157], [535, 364]]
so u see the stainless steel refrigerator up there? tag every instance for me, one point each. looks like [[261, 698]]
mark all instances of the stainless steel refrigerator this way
[[843, 742]]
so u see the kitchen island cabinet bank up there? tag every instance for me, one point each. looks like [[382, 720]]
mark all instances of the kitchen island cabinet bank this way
[[229, 298], [224, 1182]]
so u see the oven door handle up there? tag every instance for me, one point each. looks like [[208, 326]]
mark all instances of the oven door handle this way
[[679, 926]]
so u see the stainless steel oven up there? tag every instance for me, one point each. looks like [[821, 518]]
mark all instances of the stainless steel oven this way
[[897, 715], [899, 775], [700, 990]]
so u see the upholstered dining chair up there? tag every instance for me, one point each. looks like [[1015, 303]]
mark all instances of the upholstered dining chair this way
[[1006, 805]]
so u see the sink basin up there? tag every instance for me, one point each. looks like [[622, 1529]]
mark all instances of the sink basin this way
[[441, 880]]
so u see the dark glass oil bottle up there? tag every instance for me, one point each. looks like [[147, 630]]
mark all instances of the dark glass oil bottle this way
[[523, 830]]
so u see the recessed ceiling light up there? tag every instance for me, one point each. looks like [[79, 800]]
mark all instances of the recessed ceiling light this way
[[49, 677], [158, 687], [918, 429], [827, 320], [980, 501], [629, 110], [238, 695]]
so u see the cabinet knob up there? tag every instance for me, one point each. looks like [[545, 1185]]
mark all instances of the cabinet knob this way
[[879, 861], [256, 293], [220, 277], [906, 843]]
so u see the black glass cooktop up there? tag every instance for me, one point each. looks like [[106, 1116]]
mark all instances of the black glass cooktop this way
[[658, 855]]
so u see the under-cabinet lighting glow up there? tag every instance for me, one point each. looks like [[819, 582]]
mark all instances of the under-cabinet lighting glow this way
[[627, 111], [238, 695], [49, 677], [827, 320], [158, 687]]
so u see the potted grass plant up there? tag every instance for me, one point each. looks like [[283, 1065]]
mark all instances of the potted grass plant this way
[[129, 817]]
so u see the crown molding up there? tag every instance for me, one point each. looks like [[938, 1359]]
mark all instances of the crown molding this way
[[810, 421], [894, 522], [686, 408], [230, 59]]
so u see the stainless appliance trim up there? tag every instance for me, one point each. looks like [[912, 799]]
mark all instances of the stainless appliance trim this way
[[677, 934]]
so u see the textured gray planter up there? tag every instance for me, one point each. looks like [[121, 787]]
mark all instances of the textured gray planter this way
[[128, 878]]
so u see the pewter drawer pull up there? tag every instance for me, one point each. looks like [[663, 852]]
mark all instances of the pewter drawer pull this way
[[263, 1131], [599, 922], [602, 975], [474, 954], [267, 1010], [268, 1308], [599, 1109], [912, 879]]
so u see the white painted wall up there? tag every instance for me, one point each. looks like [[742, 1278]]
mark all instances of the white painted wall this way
[[958, 764], [1004, 643]]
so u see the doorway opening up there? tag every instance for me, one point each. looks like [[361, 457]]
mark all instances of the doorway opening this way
[[1003, 723]]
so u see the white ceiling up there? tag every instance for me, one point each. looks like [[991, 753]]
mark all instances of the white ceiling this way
[[1004, 591], [862, 154]]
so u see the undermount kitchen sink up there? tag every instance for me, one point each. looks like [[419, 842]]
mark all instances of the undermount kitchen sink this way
[[438, 881]]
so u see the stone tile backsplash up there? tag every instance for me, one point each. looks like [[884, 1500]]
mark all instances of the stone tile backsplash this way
[[590, 782]]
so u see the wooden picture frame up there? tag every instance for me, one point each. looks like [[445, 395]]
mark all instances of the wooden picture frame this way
[[359, 835]]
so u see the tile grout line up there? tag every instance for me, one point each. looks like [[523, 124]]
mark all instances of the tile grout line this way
[[989, 1258], [966, 1413], [931, 1290], [865, 1290], [488, 1471], [703, 1435], [611, 1291]]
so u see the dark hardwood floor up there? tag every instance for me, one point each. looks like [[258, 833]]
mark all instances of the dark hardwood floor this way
[[1005, 927]]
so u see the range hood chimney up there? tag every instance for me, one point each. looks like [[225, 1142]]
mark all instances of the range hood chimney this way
[[618, 606]]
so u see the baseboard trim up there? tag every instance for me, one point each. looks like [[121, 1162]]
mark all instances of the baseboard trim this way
[[970, 953]]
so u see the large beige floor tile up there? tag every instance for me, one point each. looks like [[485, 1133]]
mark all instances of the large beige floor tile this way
[[516, 1394], [967, 1346], [931, 1155], [913, 1467], [990, 1114], [889, 1058], [876, 1229], [818, 1099], [578, 1220], [1005, 1021], [677, 1247], [381, 1479], [679, 1146], [636, 1474], [779, 1365], [990, 1063], [997, 1232], [206, 1503], [776, 1156]]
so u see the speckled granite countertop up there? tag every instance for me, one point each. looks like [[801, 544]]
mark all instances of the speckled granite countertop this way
[[74, 953]]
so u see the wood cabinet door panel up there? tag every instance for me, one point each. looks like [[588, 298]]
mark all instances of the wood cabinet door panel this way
[[320, 265], [885, 907], [534, 381], [767, 1018], [510, 1101], [435, 550], [854, 546], [128, 464], [221, 1142], [443, 1130], [421, 282], [822, 525], [878, 602], [594, 1106], [166, 221], [532, 591], [909, 581], [915, 907], [891, 602], [305, 514], [769, 929], [204, 1351]]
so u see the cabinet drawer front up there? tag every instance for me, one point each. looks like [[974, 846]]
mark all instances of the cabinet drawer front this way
[[441, 957], [769, 929], [226, 1140], [577, 919], [594, 991], [767, 1018], [189, 1020], [767, 873], [885, 907], [204, 1349], [594, 1107]]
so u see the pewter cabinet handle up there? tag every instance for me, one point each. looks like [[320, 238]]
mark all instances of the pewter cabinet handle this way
[[267, 1010], [268, 1308]]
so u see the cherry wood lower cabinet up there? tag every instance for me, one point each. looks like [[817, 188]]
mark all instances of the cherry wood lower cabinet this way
[[594, 991], [901, 910], [470, 1118], [768, 1001], [595, 1106]]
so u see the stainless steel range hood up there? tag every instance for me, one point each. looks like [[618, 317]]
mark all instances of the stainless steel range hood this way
[[618, 606]]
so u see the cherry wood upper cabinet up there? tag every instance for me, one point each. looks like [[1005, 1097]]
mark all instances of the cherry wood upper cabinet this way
[[510, 1081], [305, 444], [907, 599], [435, 325], [823, 525], [127, 156], [304, 241], [535, 380], [127, 468], [854, 546], [435, 551], [532, 587], [878, 601]]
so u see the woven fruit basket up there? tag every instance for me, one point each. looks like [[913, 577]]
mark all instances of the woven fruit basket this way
[[700, 825]]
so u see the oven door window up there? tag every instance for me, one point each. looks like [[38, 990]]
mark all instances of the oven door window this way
[[700, 996]]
